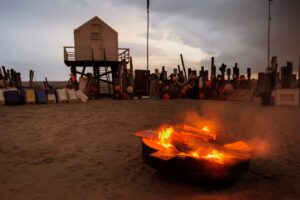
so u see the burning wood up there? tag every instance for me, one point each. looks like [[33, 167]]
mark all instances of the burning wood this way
[[189, 141], [191, 152]]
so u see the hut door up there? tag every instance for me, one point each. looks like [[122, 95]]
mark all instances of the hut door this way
[[97, 47]]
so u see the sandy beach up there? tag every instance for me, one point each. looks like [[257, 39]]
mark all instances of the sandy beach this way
[[88, 151]]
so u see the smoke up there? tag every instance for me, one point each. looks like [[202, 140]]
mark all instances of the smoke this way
[[231, 124], [261, 147]]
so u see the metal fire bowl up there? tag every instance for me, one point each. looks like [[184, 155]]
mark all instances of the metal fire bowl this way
[[201, 171]]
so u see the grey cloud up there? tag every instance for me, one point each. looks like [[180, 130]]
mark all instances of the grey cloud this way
[[139, 50], [232, 30]]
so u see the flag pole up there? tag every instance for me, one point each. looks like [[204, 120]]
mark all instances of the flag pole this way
[[148, 4], [269, 32]]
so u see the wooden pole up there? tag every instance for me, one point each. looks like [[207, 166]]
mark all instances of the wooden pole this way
[[269, 32], [148, 5], [183, 66], [131, 71]]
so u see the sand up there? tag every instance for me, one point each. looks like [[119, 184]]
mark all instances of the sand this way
[[87, 151]]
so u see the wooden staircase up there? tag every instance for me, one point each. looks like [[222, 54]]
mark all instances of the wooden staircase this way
[[105, 86]]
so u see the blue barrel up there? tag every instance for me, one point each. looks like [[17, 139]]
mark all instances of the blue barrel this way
[[13, 98], [41, 96]]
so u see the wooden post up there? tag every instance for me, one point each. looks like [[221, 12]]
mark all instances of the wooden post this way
[[73, 71], [189, 72], [274, 66], [31, 75], [97, 77], [164, 74], [213, 68], [131, 71], [4, 73], [83, 71], [228, 72], [289, 66], [235, 74], [202, 72], [206, 75], [120, 77], [213, 76], [222, 70], [8, 77], [183, 66], [249, 77], [178, 67], [18, 80], [125, 76], [1, 75]]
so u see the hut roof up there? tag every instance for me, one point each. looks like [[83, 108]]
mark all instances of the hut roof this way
[[96, 18]]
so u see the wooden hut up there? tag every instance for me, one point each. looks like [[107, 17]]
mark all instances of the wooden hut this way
[[96, 40], [96, 46]]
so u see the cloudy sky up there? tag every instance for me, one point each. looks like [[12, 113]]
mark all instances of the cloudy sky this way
[[33, 32]]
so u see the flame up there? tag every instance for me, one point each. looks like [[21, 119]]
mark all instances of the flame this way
[[195, 154], [196, 141], [206, 129], [215, 156], [238, 146], [164, 136]]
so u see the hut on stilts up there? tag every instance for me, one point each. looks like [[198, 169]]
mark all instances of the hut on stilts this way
[[96, 47]]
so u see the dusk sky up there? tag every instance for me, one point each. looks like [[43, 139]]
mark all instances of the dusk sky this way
[[33, 32]]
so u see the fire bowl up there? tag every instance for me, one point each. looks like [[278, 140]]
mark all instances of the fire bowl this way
[[207, 173]]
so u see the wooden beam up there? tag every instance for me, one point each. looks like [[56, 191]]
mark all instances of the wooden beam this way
[[81, 74], [106, 73], [106, 81]]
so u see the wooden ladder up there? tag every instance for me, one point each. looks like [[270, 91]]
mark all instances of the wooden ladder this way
[[105, 86]]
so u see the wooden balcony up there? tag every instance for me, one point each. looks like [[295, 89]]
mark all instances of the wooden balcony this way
[[88, 57]]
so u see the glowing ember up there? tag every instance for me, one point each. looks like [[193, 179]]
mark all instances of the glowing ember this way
[[215, 156], [164, 136]]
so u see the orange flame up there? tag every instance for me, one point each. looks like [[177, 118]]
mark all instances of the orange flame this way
[[195, 154], [194, 141], [215, 156], [206, 129], [164, 136]]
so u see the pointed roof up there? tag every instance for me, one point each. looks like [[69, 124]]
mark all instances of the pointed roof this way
[[97, 19]]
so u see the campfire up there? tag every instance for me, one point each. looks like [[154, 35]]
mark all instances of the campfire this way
[[193, 152]]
